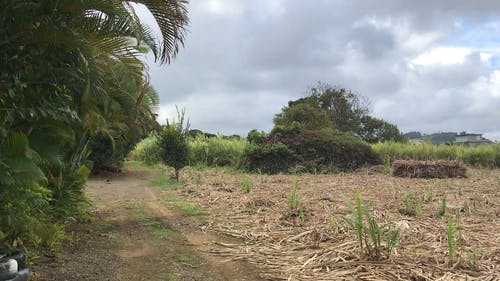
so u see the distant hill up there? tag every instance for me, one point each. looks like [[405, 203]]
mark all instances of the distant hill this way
[[440, 138], [436, 138], [445, 137], [412, 135]]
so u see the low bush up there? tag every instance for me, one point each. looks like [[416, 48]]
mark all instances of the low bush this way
[[286, 150], [268, 158], [174, 150]]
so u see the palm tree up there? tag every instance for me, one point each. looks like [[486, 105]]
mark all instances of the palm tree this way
[[60, 88]]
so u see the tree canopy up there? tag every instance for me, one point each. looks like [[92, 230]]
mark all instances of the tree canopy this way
[[70, 77], [327, 107]]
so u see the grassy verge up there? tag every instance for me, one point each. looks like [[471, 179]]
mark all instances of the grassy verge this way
[[186, 207]]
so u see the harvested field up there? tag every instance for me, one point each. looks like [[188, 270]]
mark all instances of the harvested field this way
[[428, 169], [323, 247]]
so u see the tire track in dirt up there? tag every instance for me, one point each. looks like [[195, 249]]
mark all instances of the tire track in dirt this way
[[136, 236]]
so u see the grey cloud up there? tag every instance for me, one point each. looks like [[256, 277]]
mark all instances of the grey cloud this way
[[374, 43], [238, 69]]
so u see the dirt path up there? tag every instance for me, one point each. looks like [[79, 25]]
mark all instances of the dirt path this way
[[140, 233]]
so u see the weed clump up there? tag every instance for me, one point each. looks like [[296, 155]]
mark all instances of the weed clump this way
[[442, 209], [246, 185], [294, 204], [374, 240], [411, 206]]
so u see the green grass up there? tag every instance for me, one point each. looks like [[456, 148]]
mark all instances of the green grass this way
[[147, 150], [162, 233], [138, 212], [164, 181], [141, 215], [160, 178], [190, 208], [186, 207], [136, 165]]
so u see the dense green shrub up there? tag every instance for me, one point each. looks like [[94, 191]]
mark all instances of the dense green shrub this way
[[38, 189], [216, 151], [285, 150], [487, 155], [269, 158]]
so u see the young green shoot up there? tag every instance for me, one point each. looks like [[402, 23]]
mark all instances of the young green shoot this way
[[451, 241], [442, 210], [294, 202], [373, 239], [246, 185]]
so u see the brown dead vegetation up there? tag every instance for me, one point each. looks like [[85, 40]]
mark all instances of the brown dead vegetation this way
[[428, 169], [321, 246]]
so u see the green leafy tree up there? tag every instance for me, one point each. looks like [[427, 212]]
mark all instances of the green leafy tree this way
[[174, 144], [328, 107], [344, 107], [309, 115], [375, 130]]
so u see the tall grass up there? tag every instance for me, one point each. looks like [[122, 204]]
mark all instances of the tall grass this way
[[203, 151], [148, 150], [487, 156], [216, 151]]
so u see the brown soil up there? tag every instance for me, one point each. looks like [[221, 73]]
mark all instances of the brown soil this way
[[138, 236]]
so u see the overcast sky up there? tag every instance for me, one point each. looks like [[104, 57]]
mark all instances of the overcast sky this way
[[429, 66]]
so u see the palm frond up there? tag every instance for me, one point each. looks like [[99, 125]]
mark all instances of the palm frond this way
[[171, 17]]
